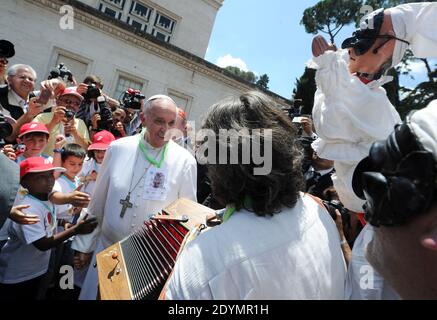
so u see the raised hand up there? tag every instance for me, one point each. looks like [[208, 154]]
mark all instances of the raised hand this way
[[320, 46]]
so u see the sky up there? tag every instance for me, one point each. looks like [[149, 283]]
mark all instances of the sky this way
[[267, 37]]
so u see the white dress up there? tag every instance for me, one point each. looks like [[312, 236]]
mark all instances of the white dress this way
[[122, 164], [348, 116]]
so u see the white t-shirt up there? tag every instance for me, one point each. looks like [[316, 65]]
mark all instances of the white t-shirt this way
[[22, 158], [20, 260], [65, 185], [89, 166], [295, 254]]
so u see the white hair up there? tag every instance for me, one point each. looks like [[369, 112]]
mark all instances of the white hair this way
[[12, 70], [149, 101]]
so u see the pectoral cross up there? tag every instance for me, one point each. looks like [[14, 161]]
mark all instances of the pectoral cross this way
[[126, 204]]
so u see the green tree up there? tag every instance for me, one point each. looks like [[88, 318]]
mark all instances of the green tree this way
[[330, 16], [263, 82], [305, 87], [246, 75]]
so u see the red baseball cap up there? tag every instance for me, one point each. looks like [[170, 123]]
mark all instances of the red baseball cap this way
[[37, 164], [33, 127], [182, 114], [71, 91], [101, 140]]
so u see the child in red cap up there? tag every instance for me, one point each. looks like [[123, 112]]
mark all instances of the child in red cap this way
[[25, 257], [34, 137], [96, 154]]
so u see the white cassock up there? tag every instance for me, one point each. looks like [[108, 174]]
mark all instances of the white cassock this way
[[363, 282], [348, 116], [123, 166], [416, 23]]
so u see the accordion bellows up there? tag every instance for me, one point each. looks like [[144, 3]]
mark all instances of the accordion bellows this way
[[137, 267]]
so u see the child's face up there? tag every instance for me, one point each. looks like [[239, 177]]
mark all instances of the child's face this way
[[39, 184], [35, 144], [73, 165], [99, 155]]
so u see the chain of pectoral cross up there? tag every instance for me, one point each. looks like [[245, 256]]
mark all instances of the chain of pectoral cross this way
[[126, 202]]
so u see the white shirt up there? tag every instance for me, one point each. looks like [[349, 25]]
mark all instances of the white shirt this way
[[15, 100], [348, 116], [20, 260], [295, 254], [416, 23], [65, 185], [363, 281], [89, 166], [122, 164]]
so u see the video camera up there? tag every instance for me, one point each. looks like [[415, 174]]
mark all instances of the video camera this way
[[333, 205], [5, 128], [62, 72], [106, 121], [132, 99]]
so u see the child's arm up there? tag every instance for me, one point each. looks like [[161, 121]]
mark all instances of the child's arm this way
[[83, 227], [57, 156], [76, 198]]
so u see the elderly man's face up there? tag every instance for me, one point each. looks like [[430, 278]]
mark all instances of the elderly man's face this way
[[23, 82], [401, 257], [70, 102], [160, 118]]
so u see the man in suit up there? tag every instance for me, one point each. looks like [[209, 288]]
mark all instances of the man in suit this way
[[15, 98]]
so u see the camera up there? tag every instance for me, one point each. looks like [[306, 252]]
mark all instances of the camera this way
[[92, 92], [132, 99], [62, 72], [19, 148], [69, 114], [106, 122], [333, 205], [5, 128]]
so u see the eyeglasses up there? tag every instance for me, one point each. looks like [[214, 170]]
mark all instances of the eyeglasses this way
[[23, 77], [365, 43], [69, 102]]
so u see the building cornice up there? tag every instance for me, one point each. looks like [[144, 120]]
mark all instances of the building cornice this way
[[120, 30], [215, 3]]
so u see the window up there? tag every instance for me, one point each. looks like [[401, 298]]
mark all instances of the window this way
[[116, 3], [141, 11], [161, 36], [125, 83], [115, 10], [163, 27], [164, 22], [137, 25], [183, 101]]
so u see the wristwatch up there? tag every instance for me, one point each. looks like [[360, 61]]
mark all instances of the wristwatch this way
[[57, 150]]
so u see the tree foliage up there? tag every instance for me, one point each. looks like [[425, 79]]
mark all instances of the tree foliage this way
[[330, 16], [249, 76], [305, 87], [263, 82]]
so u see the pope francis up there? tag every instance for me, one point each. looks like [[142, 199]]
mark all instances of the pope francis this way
[[140, 175]]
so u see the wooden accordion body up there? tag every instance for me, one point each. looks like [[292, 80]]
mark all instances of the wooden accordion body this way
[[137, 267]]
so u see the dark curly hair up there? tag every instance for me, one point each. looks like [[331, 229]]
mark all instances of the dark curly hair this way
[[233, 183]]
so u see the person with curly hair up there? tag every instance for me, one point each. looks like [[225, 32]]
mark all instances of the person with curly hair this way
[[274, 242]]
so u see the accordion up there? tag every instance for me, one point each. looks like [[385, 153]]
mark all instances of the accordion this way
[[137, 267]]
